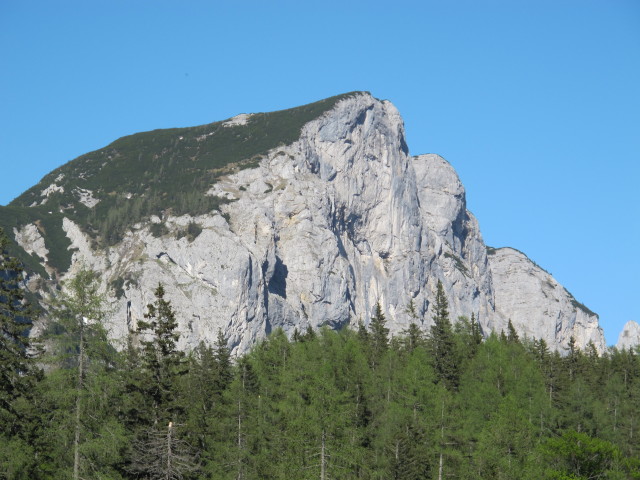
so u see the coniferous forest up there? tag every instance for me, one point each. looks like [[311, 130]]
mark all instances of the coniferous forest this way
[[353, 404]]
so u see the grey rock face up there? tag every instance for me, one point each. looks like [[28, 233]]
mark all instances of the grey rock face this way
[[630, 336], [322, 230], [538, 306], [30, 239]]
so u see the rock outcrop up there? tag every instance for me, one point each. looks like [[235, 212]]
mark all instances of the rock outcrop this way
[[318, 233], [630, 336], [537, 305]]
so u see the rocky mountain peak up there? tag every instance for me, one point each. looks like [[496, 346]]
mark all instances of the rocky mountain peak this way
[[630, 336], [313, 226]]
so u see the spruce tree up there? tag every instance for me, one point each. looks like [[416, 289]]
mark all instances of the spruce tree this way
[[223, 366], [18, 371], [159, 449], [413, 336], [379, 335], [363, 333], [309, 334], [512, 335], [573, 358], [476, 330], [442, 342], [161, 360], [296, 337]]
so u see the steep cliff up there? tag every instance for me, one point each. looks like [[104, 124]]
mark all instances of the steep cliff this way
[[538, 306], [630, 336], [310, 230]]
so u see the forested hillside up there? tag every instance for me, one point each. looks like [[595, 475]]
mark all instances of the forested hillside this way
[[353, 404]]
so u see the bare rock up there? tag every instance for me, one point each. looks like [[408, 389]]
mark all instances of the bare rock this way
[[318, 233], [538, 306], [630, 336]]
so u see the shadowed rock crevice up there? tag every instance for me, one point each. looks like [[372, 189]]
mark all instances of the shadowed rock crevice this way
[[278, 281]]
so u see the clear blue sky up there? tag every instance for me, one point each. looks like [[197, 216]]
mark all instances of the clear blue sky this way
[[535, 103]]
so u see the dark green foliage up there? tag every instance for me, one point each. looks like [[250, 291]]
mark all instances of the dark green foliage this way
[[49, 223], [468, 339], [320, 407], [161, 361], [158, 229], [577, 456], [379, 335], [19, 375], [81, 395], [458, 263], [191, 232], [16, 316], [580, 306], [159, 447], [117, 286], [414, 337], [512, 335], [441, 342], [363, 333]]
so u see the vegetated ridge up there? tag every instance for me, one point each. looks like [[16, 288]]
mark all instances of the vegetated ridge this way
[[108, 190]]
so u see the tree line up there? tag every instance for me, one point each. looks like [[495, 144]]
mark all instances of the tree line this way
[[350, 404]]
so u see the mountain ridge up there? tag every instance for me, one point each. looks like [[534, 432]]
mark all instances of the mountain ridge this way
[[101, 190], [319, 229]]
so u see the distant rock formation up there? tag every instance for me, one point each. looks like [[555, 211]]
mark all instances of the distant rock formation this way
[[630, 336]]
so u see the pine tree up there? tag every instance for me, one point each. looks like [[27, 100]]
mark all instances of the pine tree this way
[[575, 455], [363, 333], [164, 456], [222, 357], [296, 337], [442, 342], [468, 338], [309, 334], [159, 449], [200, 383], [512, 335], [80, 343], [379, 335], [160, 358], [19, 375], [476, 330], [242, 395], [413, 335], [18, 371], [573, 358]]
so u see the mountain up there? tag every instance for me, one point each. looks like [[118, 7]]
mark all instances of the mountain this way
[[303, 217], [630, 336], [537, 304]]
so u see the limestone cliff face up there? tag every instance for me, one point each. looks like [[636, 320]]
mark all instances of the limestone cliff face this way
[[538, 306], [630, 336], [318, 233]]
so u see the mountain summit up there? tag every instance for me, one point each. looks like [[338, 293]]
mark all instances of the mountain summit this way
[[304, 217]]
